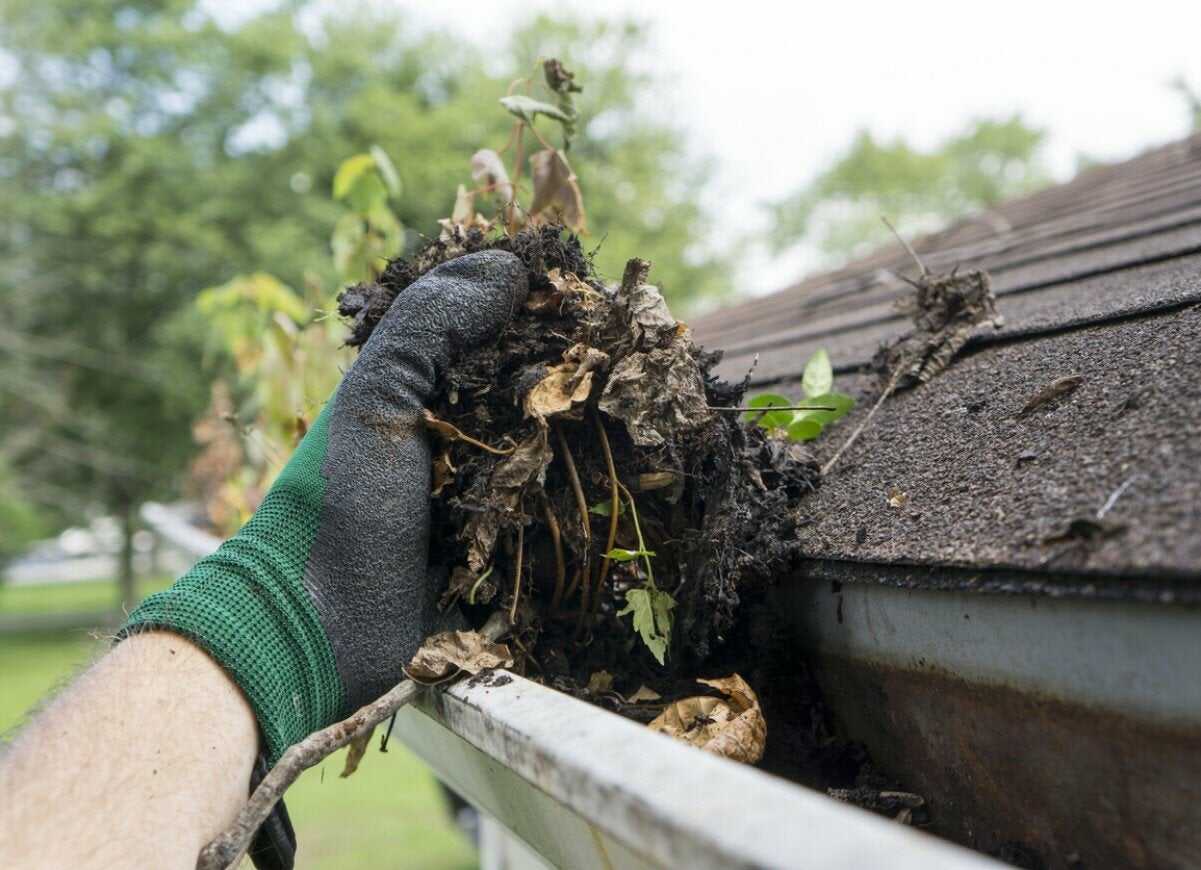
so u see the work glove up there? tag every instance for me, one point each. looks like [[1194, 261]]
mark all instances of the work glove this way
[[321, 598]]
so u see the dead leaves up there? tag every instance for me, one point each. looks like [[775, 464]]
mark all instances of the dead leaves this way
[[445, 654], [945, 309], [657, 390], [567, 385], [557, 196], [732, 727]]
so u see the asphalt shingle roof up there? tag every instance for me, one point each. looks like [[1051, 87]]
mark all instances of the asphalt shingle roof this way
[[1098, 278]]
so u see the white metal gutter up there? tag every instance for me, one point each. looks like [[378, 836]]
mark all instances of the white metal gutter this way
[[585, 788]]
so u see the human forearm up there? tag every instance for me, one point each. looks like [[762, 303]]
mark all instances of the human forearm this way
[[138, 764]]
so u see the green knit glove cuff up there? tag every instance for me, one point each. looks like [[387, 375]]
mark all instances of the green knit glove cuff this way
[[247, 606]]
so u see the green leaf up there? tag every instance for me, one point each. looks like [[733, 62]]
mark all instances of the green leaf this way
[[367, 193], [350, 171], [819, 375], [605, 509], [387, 170], [651, 609], [527, 108], [840, 402], [772, 419], [347, 242], [619, 554], [804, 430]]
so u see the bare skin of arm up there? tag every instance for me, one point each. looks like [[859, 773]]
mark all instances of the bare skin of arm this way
[[139, 763]]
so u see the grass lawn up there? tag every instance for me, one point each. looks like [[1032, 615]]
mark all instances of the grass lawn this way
[[388, 815]]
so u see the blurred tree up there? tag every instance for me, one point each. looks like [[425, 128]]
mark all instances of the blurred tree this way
[[919, 191], [1192, 100], [147, 151]]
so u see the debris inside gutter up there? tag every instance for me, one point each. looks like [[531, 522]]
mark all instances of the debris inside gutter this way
[[585, 485]]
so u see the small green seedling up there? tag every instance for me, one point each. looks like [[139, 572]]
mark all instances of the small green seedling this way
[[806, 423], [650, 605]]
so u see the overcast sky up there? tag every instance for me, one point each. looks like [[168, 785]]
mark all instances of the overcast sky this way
[[773, 91]]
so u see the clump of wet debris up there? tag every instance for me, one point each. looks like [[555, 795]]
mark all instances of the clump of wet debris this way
[[593, 479], [585, 478]]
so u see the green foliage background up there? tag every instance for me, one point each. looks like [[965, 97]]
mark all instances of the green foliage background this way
[[147, 152], [919, 190]]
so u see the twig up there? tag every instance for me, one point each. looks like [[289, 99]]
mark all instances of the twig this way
[[223, 851], [517, 572], [771, 408], [574, 477], [1114, 496], [229, 846], [892, 385], [907, 246], [556, 537], [582, 505], [450, 430], [574, 584]]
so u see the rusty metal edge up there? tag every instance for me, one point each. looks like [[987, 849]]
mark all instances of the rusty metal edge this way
[[585, 788]]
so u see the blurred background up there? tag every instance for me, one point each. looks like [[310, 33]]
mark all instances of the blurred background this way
[[185, 187]]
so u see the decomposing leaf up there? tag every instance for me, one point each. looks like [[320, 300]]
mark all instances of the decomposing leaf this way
[[657, 394], [448, 652], [644, 693], [946, 309], [600, 681], [567, 385], [556, 191], [649, 317], [489, 171], [651, 608], [732, 727], [1064, 386], [355, 752]]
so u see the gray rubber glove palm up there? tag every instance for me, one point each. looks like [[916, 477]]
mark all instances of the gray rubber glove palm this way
[[317, 603]]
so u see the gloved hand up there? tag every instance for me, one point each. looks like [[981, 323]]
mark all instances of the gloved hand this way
[[322, 597]]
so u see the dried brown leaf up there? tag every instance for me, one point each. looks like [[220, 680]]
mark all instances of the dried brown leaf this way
[[658, 394], [732, 727], [443, 473], [556, 191], [567, 385], [444, 654]]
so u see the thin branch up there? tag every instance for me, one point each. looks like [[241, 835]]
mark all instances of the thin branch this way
[[582, 505], [229, 846], [449, 430], [770, 408], [517, 572], [892, 385], [556, 537], [907, 246]]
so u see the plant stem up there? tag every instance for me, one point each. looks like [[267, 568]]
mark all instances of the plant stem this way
[[556, 537], [650, 572], [517, 579], [615, 511]]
